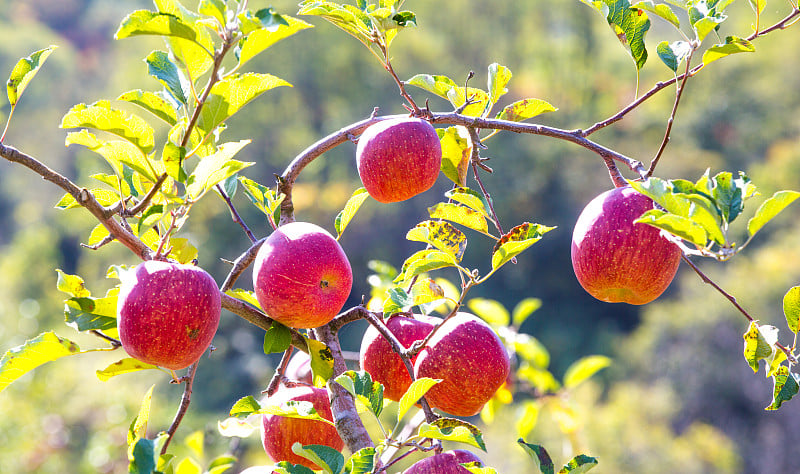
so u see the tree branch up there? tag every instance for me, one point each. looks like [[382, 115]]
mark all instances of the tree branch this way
[[240, 265], [82, 196], [183, 407]]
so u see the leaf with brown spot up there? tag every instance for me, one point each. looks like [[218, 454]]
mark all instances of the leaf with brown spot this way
[[515, 241], [442, 235], [453, 429], [123, 366], [460, 215]]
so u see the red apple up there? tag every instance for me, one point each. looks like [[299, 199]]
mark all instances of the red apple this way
[[616, 260], [398, 158], [301, 276], [299, 368], [382, 363], [167, 313], [279, 433], [448, 462], [471, 361]]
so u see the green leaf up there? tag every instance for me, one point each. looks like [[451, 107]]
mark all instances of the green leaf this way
[[491, 311], [361, 386], [791, 308], [424, 261], [399, 300], [499, 76], [524, 309], [347, 17], [525, 109], [123, 366], [245, 406], [229, 95], [101, 116], [579, 464], [143, 454], [441, 235], [413, 394], [259, 40], [285, 467], [153, 103], [459, 215], [732, 45], [350, 208], [661, 10], [453, 429], [216, 168], [456, 153], [470, 198], [583, 369], [361, 462], [706, 25], [278, 338], [676, 225], [539, 455], [22, 359], [161, 67], [770, 208], [144, 22], [759, 343], [85, 313], [672, 54], [261, 196], [630, 25], [321, 361], [786, 387], [728, 196], [24, 71], [330, 460], [515, 241], [221, 464]]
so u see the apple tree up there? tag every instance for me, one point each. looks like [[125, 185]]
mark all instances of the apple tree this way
[[431, 348]]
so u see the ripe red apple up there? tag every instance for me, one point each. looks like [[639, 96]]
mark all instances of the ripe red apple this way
[[167, 313], [279, 433], [299, 368], [447, 462], [382, 363], [398, 158], [471, 361], [616, 260], [301, 276]]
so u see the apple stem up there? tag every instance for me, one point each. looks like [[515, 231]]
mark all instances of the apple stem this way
[[183, 407], [115, 343]]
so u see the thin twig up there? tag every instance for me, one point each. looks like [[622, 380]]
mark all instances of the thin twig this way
[[280, 372], [120, 208], [240, 265], [114, 342], [235, 214], [671, 119], [401, 351], [183, 407]]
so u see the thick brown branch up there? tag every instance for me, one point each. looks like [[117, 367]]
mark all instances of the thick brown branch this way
[[257, 318], [82, 196], [345, 415], [240, 265]]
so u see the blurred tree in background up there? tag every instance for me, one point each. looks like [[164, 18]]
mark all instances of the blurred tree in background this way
[[677, 398]]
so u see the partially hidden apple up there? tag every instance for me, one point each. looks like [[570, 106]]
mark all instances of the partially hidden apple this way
[[383, 364], [279, 433], [398, 158], [616, 260], [447, 462], [167, 313], [299, 368], [301, 275], [471, 361]]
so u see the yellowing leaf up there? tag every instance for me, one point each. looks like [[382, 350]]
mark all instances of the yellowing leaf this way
[[452, 429], [123, 366], [456, 153], [24, 71], [102, 116], [442, 235], [491, 311], [350, 208], [584, 368], [460, 215], [415, 391], [516, 240], [22, 359]]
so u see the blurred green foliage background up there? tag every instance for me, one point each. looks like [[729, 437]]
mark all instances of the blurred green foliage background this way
[[679, 396]]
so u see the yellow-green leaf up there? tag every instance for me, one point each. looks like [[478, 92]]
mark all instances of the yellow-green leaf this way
[[525, 109], [24, 71], [321, 361], [470, 198], [452, 429], [499, 76], [491, 311], [424, 261], [759, 343], [259, 40], [456, 153], [584, 368], [229, 95], [153, 103], [425, 290], [415, 391], [22, 359], [101, 116], [791, 308], [524, 309], [677, 225], [215, 168], [460, 215], [770, 208], [350, 208], [138, 429], [123, 366]]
